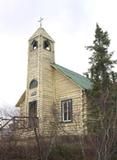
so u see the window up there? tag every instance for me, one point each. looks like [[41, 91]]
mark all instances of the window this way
[[46, 45], [66, 110], [33, 120], [34, 44], [33, 84]]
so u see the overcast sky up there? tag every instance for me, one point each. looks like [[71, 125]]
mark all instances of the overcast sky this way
[[71, 23]]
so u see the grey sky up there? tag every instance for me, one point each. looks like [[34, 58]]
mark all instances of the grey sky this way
[[71, 23]]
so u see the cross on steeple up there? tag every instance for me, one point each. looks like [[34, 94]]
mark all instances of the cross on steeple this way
[[40, 21]]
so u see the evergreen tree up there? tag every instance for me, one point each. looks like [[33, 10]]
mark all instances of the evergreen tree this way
[[101, 73], [102, 97]]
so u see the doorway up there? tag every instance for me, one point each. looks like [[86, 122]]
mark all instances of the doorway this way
[[33, 120]]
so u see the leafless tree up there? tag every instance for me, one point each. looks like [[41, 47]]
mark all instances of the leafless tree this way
[[103, 137]]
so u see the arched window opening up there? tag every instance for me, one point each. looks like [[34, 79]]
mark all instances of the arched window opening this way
[[33, 84], [34, 44], [47, 45]]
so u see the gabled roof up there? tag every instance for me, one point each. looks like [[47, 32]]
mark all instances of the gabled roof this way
[[80, 80], [41, 32]]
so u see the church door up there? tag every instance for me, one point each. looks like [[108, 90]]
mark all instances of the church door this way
[[33, 114]]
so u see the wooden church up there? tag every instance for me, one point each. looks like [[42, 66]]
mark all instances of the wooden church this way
[[53, 94]]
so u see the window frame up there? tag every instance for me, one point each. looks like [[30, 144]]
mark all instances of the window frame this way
[[68, 111], [33, 84]]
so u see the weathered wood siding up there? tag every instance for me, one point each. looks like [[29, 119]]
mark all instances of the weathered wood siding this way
[[47, 92], [66, 89], [56, 87], [53, 87]]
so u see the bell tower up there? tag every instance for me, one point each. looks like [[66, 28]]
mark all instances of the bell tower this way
[[40, 92]]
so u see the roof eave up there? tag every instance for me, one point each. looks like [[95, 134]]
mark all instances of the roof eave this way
[[21, 99]]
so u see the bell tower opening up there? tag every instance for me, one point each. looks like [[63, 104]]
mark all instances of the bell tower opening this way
[[47, 45], [34, 44]]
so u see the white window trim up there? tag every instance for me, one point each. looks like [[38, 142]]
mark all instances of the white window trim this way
[[62, 110]]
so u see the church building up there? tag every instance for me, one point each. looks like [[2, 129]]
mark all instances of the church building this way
[[53, 94]]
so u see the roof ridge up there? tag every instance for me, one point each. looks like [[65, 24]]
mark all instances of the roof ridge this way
[[72, 71]]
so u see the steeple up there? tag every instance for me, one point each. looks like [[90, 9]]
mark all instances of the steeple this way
[[41, 32], [40, 73]]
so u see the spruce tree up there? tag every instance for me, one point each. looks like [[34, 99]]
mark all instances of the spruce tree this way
[[101, 73], [102, 97]]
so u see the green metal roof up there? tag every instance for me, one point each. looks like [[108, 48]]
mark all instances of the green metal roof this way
[[80, 80]]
